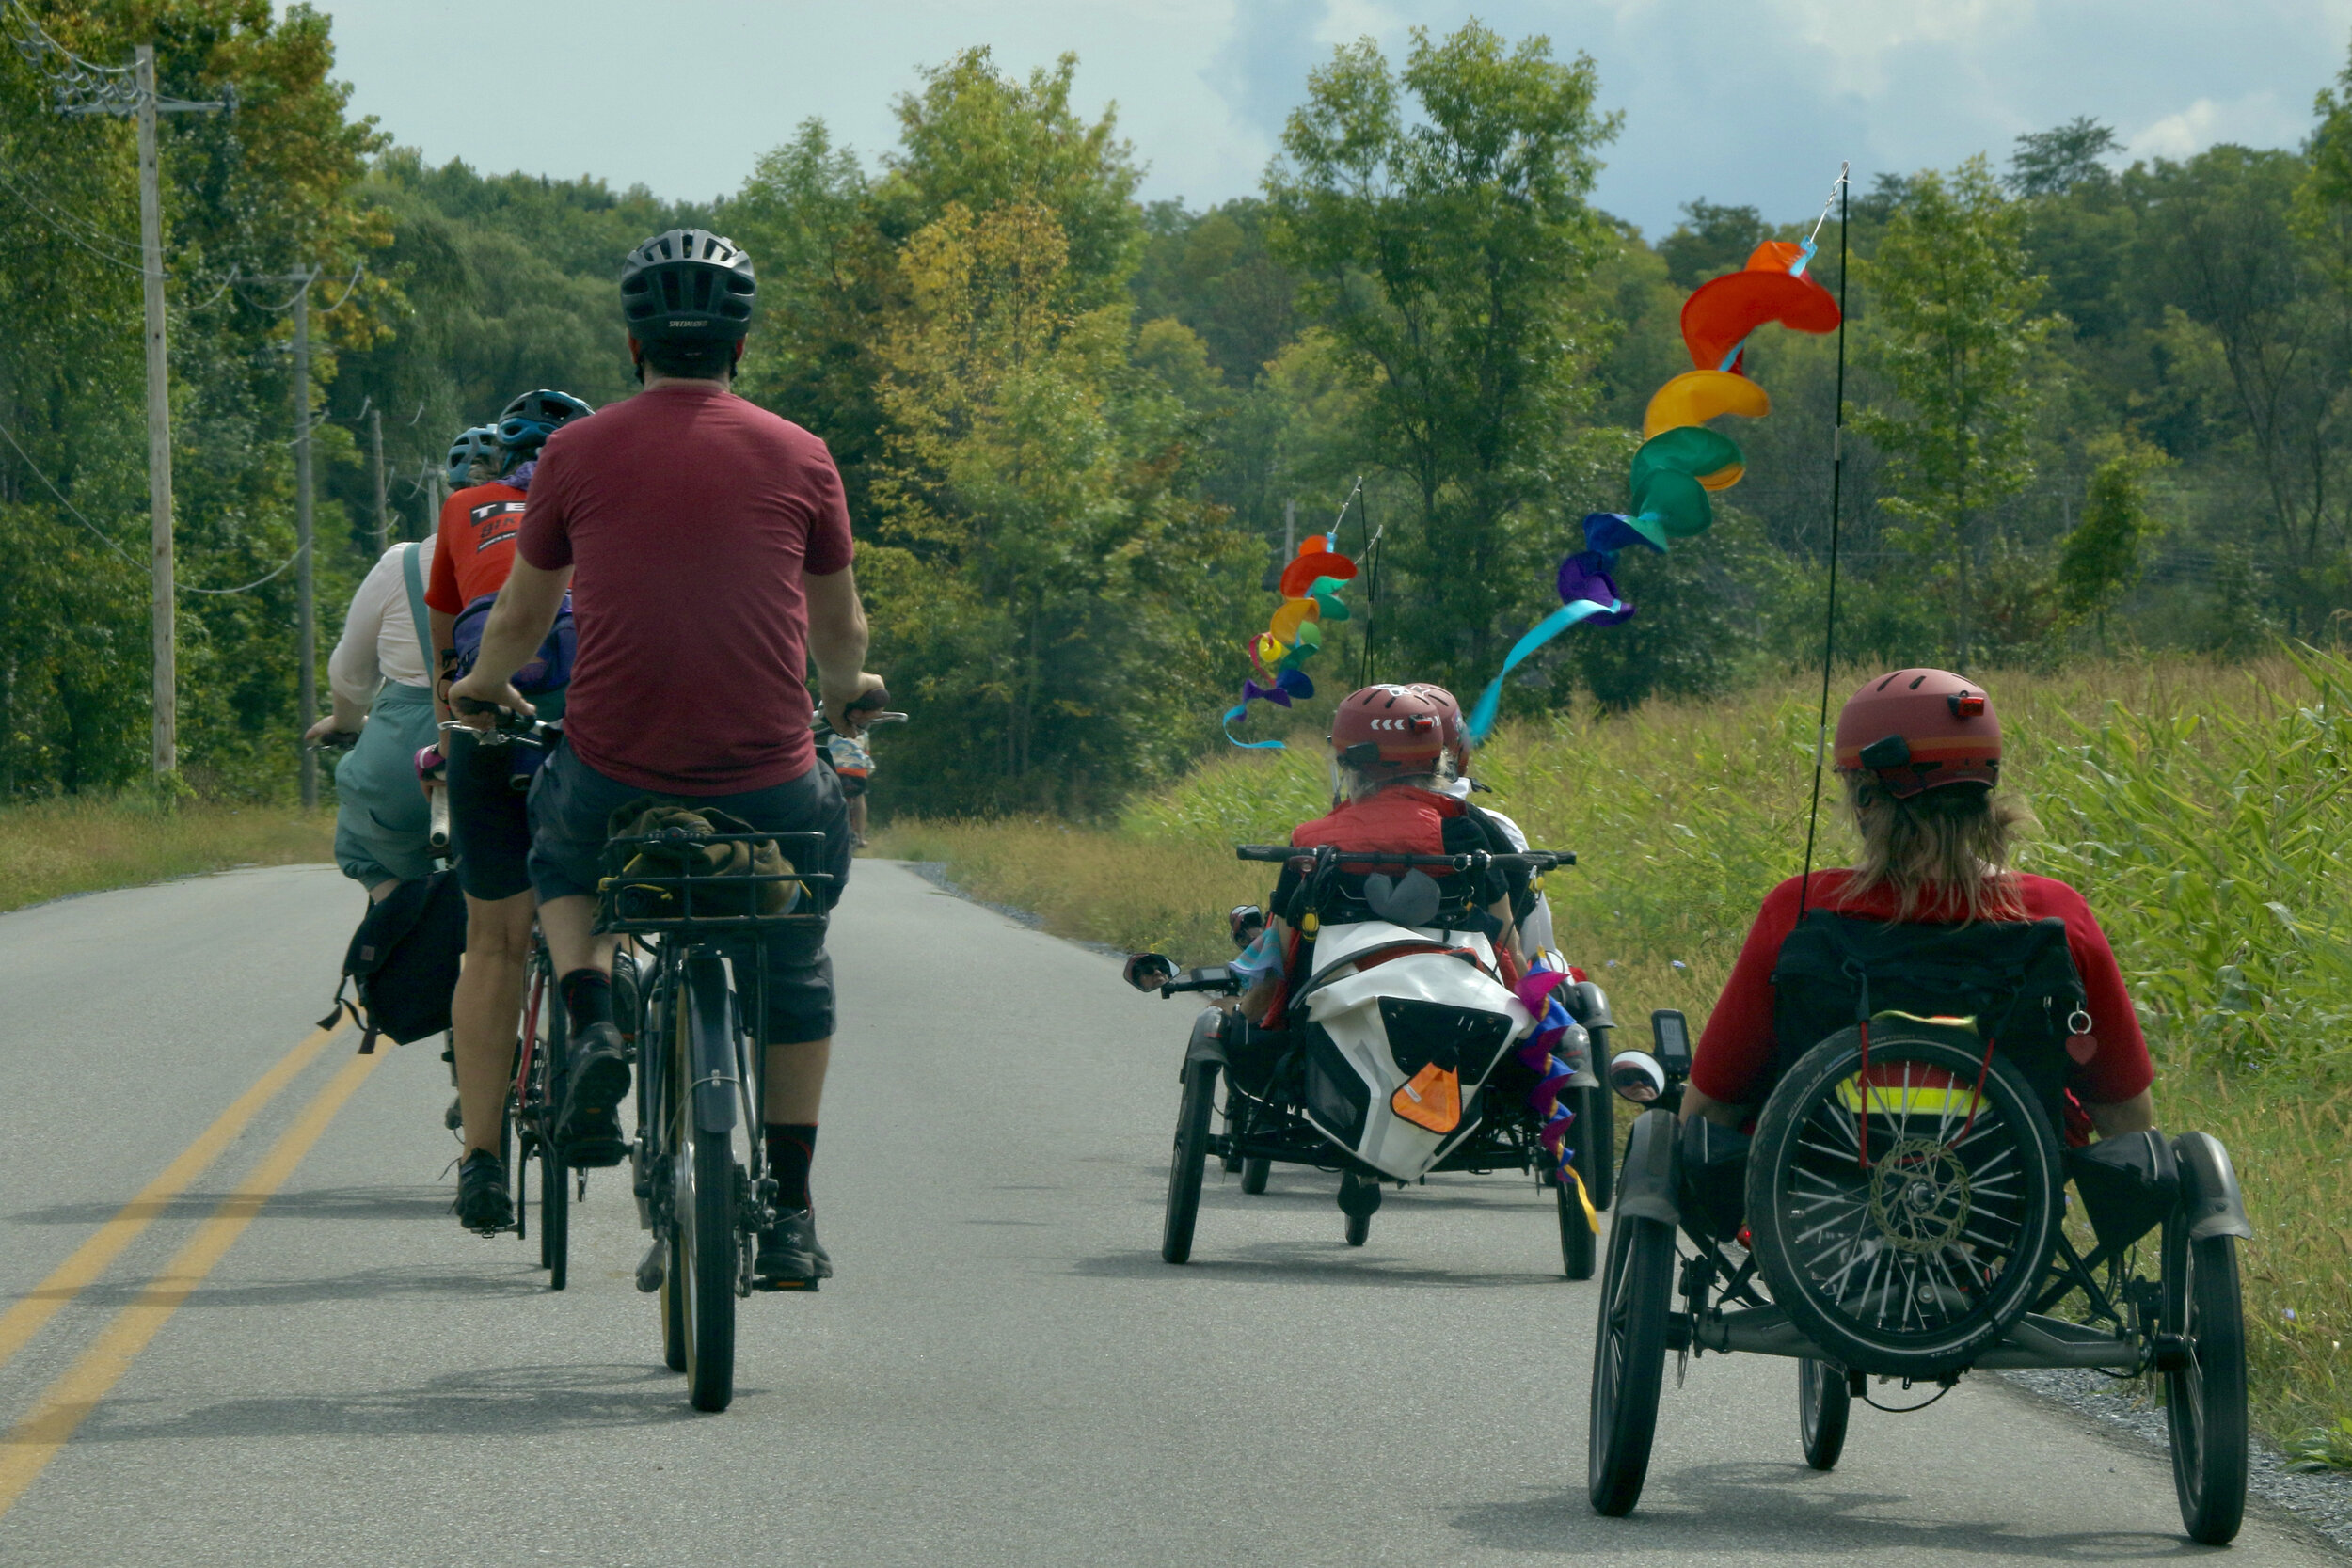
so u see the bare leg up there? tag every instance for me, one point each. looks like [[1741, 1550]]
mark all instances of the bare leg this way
[[484, 1011], [572, 943], [796, 1081]]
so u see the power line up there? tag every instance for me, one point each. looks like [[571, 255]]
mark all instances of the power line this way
[[107, 539]]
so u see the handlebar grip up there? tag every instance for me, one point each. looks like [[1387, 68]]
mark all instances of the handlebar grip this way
[[877, 698], [1267, 852]]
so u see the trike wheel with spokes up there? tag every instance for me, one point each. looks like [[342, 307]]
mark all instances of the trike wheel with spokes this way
[[1824, 1404], [1578, 1246], [2205, 1395], [1188, 1160], [1903, 1213], [1629, 1360]]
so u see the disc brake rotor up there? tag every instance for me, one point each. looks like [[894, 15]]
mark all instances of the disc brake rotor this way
[[1919, 1196]]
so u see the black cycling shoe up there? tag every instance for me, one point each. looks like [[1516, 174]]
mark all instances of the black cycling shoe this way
[[483, 1204], [790, 1255], [588, 1133]]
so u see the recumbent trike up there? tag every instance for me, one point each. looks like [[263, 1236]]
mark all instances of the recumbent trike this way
[[1899, 1209], [1403, 1052]]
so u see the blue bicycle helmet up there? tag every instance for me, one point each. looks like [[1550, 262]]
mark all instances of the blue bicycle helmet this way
[[525, 424], [482, 442]]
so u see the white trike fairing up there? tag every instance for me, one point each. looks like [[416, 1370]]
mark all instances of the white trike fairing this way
[[1430, 998]]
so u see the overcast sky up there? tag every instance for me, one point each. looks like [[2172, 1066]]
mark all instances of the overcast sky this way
[[1743, 102]]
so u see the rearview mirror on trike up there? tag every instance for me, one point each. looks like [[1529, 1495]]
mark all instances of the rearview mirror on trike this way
[[1149, 972], [1635, 1075]]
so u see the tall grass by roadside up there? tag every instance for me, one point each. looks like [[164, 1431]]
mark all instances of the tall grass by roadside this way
[[53, 848], [2206, 812]]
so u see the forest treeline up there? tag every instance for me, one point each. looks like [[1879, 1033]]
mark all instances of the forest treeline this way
[[2092, 408]]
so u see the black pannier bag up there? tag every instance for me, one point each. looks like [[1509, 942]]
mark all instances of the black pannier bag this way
[[404, 960], [2015, 978]]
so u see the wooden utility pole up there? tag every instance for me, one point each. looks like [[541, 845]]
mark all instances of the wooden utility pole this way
[[376, 445], [80, 86], [164, 737]]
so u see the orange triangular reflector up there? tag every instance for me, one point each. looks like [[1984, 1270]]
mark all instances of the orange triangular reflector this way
[[1432, 1099]]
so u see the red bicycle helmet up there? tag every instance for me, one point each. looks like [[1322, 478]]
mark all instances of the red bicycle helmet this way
[[1920, 730], [1449, 718], [1389, 729]]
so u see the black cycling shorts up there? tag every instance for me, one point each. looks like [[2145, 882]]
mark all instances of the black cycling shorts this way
[[489, 827], [571, 802]]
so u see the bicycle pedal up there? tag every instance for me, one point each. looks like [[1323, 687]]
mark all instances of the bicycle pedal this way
[[806, 1286], [651, 1272]]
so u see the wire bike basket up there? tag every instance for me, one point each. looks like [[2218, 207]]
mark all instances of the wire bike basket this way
[[676, 879]]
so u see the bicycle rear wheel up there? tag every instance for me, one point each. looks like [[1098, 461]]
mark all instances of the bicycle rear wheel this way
[[555, 1213], [704, 1200]]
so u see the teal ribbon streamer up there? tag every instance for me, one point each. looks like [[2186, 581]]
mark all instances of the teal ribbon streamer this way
[[1237, 711], [1482, 720]]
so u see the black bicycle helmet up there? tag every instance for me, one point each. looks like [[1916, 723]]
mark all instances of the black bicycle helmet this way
[[531, 419], [688, 286], [482, 442]]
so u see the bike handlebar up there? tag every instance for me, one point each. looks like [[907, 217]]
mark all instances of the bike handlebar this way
[[1531, 860]]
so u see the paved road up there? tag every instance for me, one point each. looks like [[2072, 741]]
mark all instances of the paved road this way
[[1003, 1374]]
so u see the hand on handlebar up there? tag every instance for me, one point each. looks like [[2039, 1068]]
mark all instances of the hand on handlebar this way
[[327, 733], [475, 700], [849, 712]]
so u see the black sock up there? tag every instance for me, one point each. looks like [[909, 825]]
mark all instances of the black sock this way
[[791, 1148], [587, 997]]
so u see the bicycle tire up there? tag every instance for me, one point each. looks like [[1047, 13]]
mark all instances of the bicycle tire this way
[[1255, 1174], [1578, 1246], [1824, 1406], [1628, 1362], [1188, 1162], [705, 1209], [2204, 1398], [1594, 1136], [1947, 1229], [555, 1178]]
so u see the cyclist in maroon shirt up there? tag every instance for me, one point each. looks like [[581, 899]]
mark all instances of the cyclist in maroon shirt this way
[[1920, 755], [706, 546]]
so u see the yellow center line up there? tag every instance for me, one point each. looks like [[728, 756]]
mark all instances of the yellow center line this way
[[20, 1323], [34, 1440]]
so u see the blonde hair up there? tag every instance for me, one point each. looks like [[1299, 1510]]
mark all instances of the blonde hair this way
[[1953, 841]]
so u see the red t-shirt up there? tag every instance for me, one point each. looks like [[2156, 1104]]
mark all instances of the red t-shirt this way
[[688, 518], [476, 545], [1736, 1050]]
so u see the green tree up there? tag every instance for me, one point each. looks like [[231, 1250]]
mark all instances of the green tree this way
[[266, 190], [1710, 241], [1447, 252], [1030, 539], [2221, 248], [2054, 161], [979, 139], [1953, 332], [2101, 560]]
